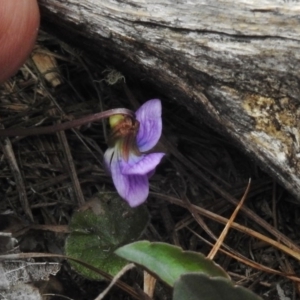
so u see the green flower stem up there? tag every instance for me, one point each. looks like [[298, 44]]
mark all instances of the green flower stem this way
[[65, 125]]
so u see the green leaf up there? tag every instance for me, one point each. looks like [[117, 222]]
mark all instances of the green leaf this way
[[99, 228], [168, 262], [201, 287]]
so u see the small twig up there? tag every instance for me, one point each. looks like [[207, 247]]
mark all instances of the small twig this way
[[10, 156], [274, 215], [222, 236], [194, 213], [6, 234], [115, 279], [58, 295], [149, 284], [71, 168]]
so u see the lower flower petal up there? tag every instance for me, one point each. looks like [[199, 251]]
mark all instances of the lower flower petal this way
[[132, 188], [141, 165]]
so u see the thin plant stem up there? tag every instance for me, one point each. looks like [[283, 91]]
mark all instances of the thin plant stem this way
[[64, 126]]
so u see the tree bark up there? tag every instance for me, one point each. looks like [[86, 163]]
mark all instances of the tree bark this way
[[235, 63]]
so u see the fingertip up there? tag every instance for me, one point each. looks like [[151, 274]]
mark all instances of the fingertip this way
[[18, 31]]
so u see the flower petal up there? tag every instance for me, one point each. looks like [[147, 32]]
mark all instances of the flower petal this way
[[149, 116], [132, 188], [108, 157], [141, 165]]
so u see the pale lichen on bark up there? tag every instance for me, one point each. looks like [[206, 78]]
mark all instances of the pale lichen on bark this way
[[276, 127]]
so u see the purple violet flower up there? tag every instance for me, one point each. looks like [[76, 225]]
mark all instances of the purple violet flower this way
[[128, 158]]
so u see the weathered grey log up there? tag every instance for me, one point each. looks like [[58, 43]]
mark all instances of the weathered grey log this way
[[235, 63]]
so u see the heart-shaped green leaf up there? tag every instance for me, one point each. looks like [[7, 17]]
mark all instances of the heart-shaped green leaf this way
[[197, 286], [168, 262], [99, 228]]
